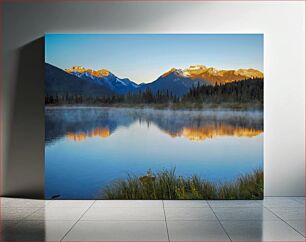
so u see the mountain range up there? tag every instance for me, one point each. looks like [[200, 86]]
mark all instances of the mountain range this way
[[82, 81], [104, 78], [59, 82]]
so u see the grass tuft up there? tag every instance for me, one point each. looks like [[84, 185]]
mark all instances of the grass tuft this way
[[166, 184]]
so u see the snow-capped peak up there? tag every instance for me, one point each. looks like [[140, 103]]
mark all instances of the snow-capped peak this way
[[194, 69], [81, 69]]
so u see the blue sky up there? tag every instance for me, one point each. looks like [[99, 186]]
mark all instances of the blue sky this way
[[144, 57]]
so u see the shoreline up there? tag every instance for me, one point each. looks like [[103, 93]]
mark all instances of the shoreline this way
[[184, 107]]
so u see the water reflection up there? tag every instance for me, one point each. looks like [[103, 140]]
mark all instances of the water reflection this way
[[80, 136], [78, 124], [81, 123], [211, 131], [88, 148]]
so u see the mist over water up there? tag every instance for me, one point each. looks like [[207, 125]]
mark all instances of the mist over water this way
[[88, 148]]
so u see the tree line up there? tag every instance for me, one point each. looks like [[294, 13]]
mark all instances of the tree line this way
[[139, 97], [240, 91], [249, 90]]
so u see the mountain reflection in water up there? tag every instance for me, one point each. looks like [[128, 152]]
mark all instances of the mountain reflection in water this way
[[89, 148], [78, 124], [80, 136]]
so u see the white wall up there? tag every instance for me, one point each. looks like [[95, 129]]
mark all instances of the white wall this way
[[283, 25]]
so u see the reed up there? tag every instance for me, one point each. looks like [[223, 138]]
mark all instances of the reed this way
[[166, 184]]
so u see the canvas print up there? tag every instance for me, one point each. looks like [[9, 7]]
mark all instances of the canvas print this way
[[154, 116]]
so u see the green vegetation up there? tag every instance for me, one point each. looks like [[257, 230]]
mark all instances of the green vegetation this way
[[176, 106], [246, 94], [250, 90], [167, 185]]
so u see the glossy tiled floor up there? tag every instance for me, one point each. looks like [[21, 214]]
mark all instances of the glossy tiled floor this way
[[274, 219]]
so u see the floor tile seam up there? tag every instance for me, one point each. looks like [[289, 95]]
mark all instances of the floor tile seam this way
[[73, 225], [220, 223], [165, 217], [286, 223]]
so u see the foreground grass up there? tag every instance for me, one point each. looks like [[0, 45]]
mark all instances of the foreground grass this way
[[167, 185]]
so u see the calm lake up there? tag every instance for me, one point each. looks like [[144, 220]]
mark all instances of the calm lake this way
[[88, 148]]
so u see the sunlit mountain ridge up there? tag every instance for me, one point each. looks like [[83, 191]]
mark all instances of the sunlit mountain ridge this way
[[79, 80], [81, 69], [213, 75], [104, 78], [209, 74], [61, 83]]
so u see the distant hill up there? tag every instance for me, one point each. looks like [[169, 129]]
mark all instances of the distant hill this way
[[59, 82]]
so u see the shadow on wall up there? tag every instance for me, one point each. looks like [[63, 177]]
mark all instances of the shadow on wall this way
[[27, 230], [26, 136]]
